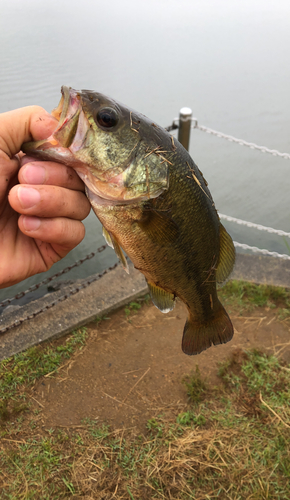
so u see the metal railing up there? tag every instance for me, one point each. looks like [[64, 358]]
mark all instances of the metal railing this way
[[185, 123]]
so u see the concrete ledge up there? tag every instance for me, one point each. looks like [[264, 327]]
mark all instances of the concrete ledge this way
[[262, 270], [112, 291]]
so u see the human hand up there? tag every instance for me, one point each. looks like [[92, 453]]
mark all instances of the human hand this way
[[48, 196]]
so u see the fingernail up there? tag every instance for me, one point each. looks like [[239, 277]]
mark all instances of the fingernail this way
[[34, 173], [31, 223], [28, 197]]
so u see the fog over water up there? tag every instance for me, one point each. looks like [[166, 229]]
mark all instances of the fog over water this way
[[227, 60]]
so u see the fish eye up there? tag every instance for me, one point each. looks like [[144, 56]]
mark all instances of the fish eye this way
[[107, 118]]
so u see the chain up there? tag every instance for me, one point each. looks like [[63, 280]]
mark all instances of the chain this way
[[60, 299], [100, 275], [48, 280], [241, 142], [173, 126], [262, 251], [253, 225], [251, 145]]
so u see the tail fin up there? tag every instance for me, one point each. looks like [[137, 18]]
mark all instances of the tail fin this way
[[199, 336]]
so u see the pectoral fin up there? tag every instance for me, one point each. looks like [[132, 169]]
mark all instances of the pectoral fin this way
[[112, 242], [163, 300], [107, 237], [227, 256]]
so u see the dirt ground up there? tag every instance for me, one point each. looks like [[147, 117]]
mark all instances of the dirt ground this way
[[131, 368]]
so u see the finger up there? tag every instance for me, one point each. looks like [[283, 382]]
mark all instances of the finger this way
[[8, 175], [62, 233], [22, 125], [49, 201], [49, 173]]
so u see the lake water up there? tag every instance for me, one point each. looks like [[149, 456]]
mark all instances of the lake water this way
[[227, 60]]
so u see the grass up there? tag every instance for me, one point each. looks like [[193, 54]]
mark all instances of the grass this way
[[230, 442], [246, 296], [195, 385], [22, 370], [132, 307], [135, 306]]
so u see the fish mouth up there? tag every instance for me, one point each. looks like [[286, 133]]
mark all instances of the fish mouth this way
[[67, 113], [69, 133], [61, 110]]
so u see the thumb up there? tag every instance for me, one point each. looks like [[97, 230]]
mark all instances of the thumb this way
[[22, 125]]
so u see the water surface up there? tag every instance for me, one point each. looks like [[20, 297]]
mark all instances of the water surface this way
[[228, 61]]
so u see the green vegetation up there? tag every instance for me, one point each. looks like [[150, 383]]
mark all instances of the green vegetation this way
[[25, 368], [101, 318], [246, 296], [196, 387], [135, 306], [232, 442], [229, 442], [132, 307]]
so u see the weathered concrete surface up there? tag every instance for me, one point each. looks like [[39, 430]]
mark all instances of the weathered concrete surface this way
[[112, 291], [263, 270]]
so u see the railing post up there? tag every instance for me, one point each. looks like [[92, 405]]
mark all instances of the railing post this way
[[185, 117]]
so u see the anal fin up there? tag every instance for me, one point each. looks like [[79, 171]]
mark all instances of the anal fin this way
[[199, 336], [163, 300]]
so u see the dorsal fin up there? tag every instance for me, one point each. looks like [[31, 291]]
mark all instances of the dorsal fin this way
[[227, 256]]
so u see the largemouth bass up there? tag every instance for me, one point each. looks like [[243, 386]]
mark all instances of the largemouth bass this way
[[154, 204]]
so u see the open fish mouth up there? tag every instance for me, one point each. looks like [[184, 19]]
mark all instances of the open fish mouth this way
[[67, 113], [69, 133], [61, 110]]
